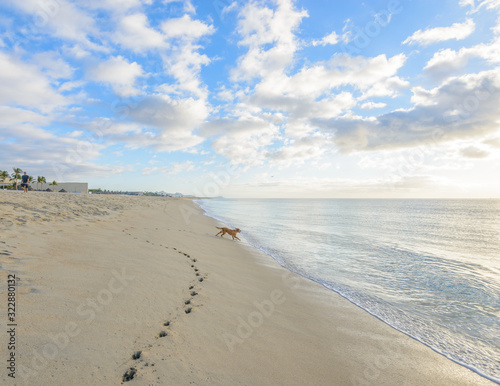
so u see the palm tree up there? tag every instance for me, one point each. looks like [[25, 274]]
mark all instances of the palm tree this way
[[17, 174], [30, 179], [42, 180], [53, 183], [4, 175]]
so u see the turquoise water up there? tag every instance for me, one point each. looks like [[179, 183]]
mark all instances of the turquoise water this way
[[429, 268]]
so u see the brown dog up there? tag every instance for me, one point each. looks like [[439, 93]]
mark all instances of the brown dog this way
[[232, 232]]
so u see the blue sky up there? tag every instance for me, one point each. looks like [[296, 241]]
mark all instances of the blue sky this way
[[254, 99]]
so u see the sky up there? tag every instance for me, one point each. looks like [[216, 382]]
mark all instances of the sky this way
[[262, 98]]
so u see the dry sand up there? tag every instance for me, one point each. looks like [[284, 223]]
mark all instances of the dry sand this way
[[100, 278]]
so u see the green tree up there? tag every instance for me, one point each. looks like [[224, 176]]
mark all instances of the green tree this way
[[38, 181], [4, 175], [17, 174], [53, 183], [43, 180]]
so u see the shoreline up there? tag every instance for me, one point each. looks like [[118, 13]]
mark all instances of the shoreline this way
[[103, 278], [262, 249]]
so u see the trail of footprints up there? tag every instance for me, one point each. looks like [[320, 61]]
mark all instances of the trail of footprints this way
[[188, 305]]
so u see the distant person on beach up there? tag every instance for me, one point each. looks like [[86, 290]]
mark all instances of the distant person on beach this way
[[24, 184]]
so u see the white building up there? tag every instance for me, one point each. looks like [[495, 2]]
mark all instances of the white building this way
[[70, 187]]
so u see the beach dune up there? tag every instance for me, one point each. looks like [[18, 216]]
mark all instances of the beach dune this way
[[113, 289]]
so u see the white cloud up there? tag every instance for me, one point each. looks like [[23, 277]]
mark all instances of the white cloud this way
[[105, 127], [493, 142], [186, 28], [315, 92], [300, 150], [178, 167], [445, 62], [305, 107], [330, 39], [118, 6], [242, 140], [362, 73], [307, 88], [474, 152], [66, 86], [52, 64], [133, 32], [293, 102], [183, 61], [60, 18], [59, 157], [488, 4], [119, 73], [461, 107], [260, 26], [188, 6], [465, 3], [373, 105], [24, 85], [172, 123], [184, 64], [457, 31], [14, 116]]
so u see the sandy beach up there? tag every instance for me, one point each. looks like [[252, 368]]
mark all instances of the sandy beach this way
[[138, 290]]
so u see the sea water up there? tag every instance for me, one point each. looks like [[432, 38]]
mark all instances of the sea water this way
[[429, 268]]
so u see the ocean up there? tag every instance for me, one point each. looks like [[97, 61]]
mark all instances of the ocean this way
[[429, 268]]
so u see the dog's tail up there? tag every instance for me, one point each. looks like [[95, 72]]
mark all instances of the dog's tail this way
[[218, 228]]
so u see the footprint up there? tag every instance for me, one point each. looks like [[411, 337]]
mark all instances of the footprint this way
[[136, 355], [187, 302], [167, 323], [129, 374], [188, 310], [162, 334]]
